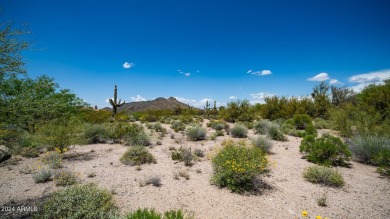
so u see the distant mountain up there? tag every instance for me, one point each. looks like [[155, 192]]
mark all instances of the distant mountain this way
[[156, 104]]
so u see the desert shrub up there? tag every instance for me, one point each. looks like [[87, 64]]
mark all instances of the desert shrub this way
[[247, 124], [95, 116], [178, 126], [122, 117], [43, 175], [187, 156], [310, 130], [262, 127], [373, 150], [137, 155], [138, 138], [198, 152], [218, 126], [53, 159], [120, 130], [176, 155], [29, 152], [239, 131], [327, 150], [96, 134], [158, 128], [301, 121], [213, 136], [323, 175], [320, 123], [236, 166], [275, 133], [219, 133], [65, 178], [263, 143], [196, 133], [297, 133], [80, 201], [153, 214]]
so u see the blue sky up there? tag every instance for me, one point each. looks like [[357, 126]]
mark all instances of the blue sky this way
[[198, 50]]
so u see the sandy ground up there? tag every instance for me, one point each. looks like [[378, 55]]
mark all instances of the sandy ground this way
[[285, 195]]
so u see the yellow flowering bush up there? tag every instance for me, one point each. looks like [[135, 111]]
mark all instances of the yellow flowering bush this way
[[236, 165]]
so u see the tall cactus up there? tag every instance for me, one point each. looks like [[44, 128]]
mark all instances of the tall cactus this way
[[207, 109], [114, 103], [215, 110]]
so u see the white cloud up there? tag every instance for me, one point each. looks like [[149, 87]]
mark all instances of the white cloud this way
[[187, 74], [320, 77], [259, 73], [259, 97], [137, 98], [232, 97], [196, 103], [127, 65], [335, 81], [366, 79]]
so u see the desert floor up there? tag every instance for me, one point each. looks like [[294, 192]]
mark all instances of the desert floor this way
[[284, 193]]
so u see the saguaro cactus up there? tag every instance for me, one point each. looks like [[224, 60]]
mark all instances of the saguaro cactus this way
[[207, 109], [114, 102], [215, 110]]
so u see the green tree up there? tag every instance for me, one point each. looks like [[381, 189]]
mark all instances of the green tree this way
[[321, 99], [26, 103], [341, 95], [11, 46]]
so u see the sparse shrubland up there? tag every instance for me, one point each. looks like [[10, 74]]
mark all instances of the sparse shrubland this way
[[323, 175], [137, 155]]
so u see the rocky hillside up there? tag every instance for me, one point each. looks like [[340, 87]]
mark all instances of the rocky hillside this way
[[156, 104]]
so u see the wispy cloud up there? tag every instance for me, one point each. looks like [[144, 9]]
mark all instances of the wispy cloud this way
[[137, 98], [335, 81], [187, 74], [320, 77], [259, 97], [363, 80], [128, 65], [233, 97], [259, 73]]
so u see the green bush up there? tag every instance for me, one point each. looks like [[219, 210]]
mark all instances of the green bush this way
[[95, 116], [263, 143], [236, 166], [178, 126], [262, 127], [327, 150], [323, 175], [196, 133], [310, 130], [137, 155], [65, 178], [43, 175], [53, 159], [78, 202], [320, 123], [138, 138], [373, 150], [96, 134], [239, 131], [217, 125], [120, 130], [30, 152], [301, 121], [158, 128], [153, 214], [275, 133]]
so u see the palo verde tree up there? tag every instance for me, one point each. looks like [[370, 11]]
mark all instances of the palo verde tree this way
[[321, 99], [114, 103]]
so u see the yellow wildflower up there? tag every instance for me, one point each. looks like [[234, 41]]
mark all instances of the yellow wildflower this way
[[318, 217], [304, 213]]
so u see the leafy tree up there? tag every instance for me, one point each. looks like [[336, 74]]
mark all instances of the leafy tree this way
[[10, 48], [321, 99], [341, 95], [25, 102]]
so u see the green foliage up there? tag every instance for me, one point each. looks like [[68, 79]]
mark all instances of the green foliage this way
[[302, 121], [321, 99], [196, 133], [114, 103], [263, 143], [262, 127], [53, 159], [26, 103], [239, 131], [239, 110], [183, 154], [119, 130], [65, 178], [323, 175], [96, 134], [320, 123], [30, 152], [285, 108], [90, 115], [217, 125], [327, 150], [178, 126], [78, 202], [275, 133], [310, 130], [158, 128], [373, 150], [137, 155], [152, 214], [42, 176], [236, 166]]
